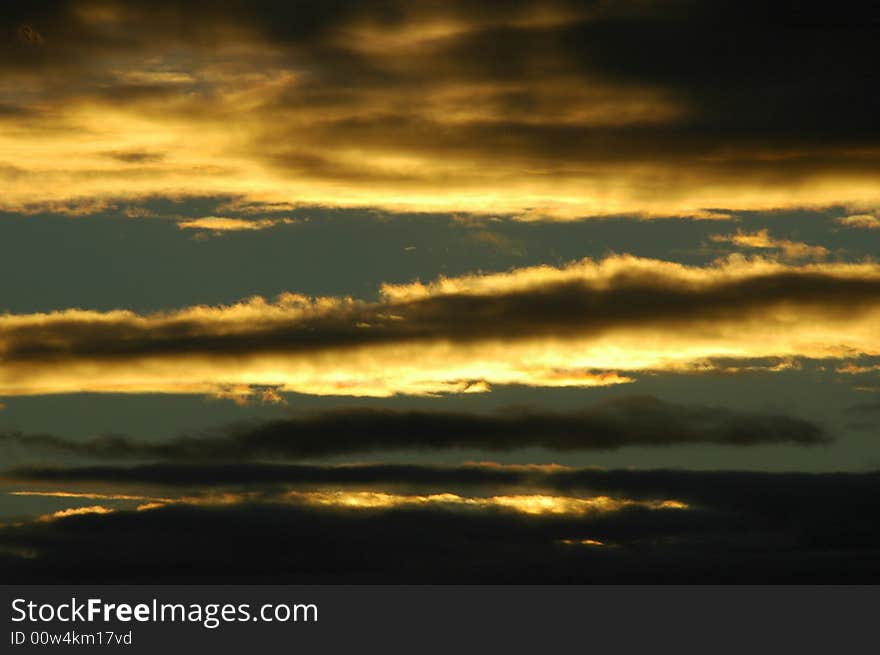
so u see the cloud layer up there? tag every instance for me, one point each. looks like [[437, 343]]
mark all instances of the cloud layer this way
[[621, 422], [735, 527], [585, 324], [155, 155], [533, 108]]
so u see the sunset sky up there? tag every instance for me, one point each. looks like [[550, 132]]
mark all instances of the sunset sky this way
[[439, 291]]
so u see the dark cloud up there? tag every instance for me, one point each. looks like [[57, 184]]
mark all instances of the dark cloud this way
[[261, 543], [740, 527], [789, 528], [616, 423], [264, 474], [820, 509]]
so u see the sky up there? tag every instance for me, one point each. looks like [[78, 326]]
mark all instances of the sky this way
[[439, 291]]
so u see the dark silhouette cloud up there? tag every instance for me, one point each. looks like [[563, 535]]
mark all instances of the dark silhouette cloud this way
[[264, 474], [736, 527], [772, 493], [613, 424], [750, 528]]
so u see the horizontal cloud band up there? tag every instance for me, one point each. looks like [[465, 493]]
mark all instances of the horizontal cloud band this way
[[588, 323], [627, 421], [409, 106], [720, 489], [741, 527]]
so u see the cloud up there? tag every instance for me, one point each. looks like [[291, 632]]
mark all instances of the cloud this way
[[866, 221], [766, 491], [540, 109], [330, 544], [74, 511], [585, 324], [529, 503], [135, 156], [243, 395], [856, 369], [220, 224], [267, 475], [865, 408], [741, 527], [761, 240], [613, 424]]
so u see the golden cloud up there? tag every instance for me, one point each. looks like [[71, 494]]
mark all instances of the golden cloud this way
[[533, 504], [761, 240], [522, 503], [866, 221], [225, 224], [74, 511], [113, 100], [585, 324]]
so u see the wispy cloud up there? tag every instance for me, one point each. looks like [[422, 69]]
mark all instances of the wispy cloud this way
[[866, 221], [220, 224], [761, 240]]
